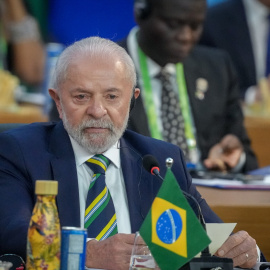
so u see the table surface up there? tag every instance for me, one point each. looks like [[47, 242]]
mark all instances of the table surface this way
[[224, 197], [250, 209], [258, 129], [22, 114]]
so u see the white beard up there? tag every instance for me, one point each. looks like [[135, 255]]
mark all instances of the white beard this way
[[95, 143]]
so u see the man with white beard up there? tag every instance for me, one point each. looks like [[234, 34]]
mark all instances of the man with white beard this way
[[94, 90]]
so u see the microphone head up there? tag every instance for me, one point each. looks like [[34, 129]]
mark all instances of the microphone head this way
[[150, 163]]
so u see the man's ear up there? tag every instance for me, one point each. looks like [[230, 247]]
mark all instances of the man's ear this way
[[55, 96], [135, 95], [136, 92]]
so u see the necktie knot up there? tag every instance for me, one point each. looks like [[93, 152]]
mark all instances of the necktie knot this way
[[163, 76], [98, 164]]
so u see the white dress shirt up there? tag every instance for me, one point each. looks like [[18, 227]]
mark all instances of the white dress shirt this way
[[114, 181]]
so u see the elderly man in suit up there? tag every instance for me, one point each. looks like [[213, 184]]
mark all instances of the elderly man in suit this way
[[94, 84]]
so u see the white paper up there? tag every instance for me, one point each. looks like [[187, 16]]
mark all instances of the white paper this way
[[218, 234]]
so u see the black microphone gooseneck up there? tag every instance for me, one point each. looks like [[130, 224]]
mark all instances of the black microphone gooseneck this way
[[151, 164], [206, 261]]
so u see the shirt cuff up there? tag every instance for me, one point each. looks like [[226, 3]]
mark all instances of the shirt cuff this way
[[259, 254], [240, 163], [250, 95]]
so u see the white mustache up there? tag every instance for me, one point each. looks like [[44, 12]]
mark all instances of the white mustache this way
[[97, 124]]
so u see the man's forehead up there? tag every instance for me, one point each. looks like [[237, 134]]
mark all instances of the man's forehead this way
[[180, 7]]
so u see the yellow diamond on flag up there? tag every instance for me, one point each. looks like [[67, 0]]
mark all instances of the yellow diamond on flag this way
[[169, 226]]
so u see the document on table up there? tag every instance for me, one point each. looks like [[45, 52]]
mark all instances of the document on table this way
[[218, 233], [233, 184]]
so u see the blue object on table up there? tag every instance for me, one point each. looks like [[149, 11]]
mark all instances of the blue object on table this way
[[261, 171]]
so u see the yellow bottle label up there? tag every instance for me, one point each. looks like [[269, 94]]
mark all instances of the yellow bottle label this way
[[44, 236]]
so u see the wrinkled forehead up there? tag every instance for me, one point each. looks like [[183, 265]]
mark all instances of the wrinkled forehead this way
[[96, 61]]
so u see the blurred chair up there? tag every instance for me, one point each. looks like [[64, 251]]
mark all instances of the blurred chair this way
[[17, 261]]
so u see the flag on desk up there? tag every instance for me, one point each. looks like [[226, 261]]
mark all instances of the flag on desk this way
[[171, 229]]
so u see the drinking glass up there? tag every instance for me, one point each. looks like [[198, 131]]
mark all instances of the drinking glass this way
[[141, 257]]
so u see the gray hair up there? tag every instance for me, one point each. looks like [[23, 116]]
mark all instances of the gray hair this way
[[92, 46]]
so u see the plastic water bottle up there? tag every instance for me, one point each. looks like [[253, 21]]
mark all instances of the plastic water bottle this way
[[44, 235], [53, 50]]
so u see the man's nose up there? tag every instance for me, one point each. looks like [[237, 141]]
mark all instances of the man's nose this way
[[96, 108], [184, 33]]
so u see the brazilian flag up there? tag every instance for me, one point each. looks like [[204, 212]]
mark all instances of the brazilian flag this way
[[171, 229]]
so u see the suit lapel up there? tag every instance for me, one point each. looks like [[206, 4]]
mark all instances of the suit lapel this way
[[64, 171], [139, 184], [192, 73]]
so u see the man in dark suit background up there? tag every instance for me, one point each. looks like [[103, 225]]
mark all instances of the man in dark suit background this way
[[241, 28], [165, 41], [93, 86]]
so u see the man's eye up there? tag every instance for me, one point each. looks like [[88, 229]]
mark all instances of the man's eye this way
[[80, 97], [172, 23], [112, 96]]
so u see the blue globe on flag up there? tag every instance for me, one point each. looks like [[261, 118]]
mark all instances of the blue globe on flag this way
[[169, 226]]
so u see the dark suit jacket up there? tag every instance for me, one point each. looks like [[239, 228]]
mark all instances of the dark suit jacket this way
[[219, 113], [226, 27], [43, 151]]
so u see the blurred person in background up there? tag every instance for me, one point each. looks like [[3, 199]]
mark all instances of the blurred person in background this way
[[203, 81], [21, 48], [241, 27]]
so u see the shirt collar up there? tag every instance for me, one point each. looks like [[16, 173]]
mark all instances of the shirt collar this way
[[82, 155]]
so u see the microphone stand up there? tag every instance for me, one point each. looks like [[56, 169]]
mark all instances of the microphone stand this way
[[205, 261]]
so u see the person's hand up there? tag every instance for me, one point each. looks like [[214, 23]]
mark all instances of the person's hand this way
[[224, 155], [111, 253], [240, 247]]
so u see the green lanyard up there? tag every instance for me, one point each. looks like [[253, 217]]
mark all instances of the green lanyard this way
[[3, 48], [183, 101]]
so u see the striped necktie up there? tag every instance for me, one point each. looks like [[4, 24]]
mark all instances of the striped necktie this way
[[100, 217]]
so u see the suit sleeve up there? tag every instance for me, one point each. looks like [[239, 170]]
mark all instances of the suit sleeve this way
[[235, 118], [16, 198], [208, 214]]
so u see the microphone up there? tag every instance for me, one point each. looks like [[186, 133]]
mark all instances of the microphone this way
[[151, 165], [206, 261]]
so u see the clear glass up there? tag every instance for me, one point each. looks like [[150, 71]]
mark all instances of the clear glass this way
[[141, 257]]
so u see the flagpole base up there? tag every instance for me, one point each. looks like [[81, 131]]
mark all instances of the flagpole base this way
[[207, 263]]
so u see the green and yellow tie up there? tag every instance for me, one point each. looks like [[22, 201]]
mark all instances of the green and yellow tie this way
[[100, 218]]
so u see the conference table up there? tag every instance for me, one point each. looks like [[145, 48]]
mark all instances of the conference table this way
[[250, 209], [258, 129], [22, 114]]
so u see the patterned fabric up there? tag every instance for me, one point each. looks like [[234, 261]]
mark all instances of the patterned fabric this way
[[172, 119], [100, 217]]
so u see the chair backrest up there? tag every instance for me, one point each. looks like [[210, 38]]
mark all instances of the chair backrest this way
[[17, 261], [7, 126]]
